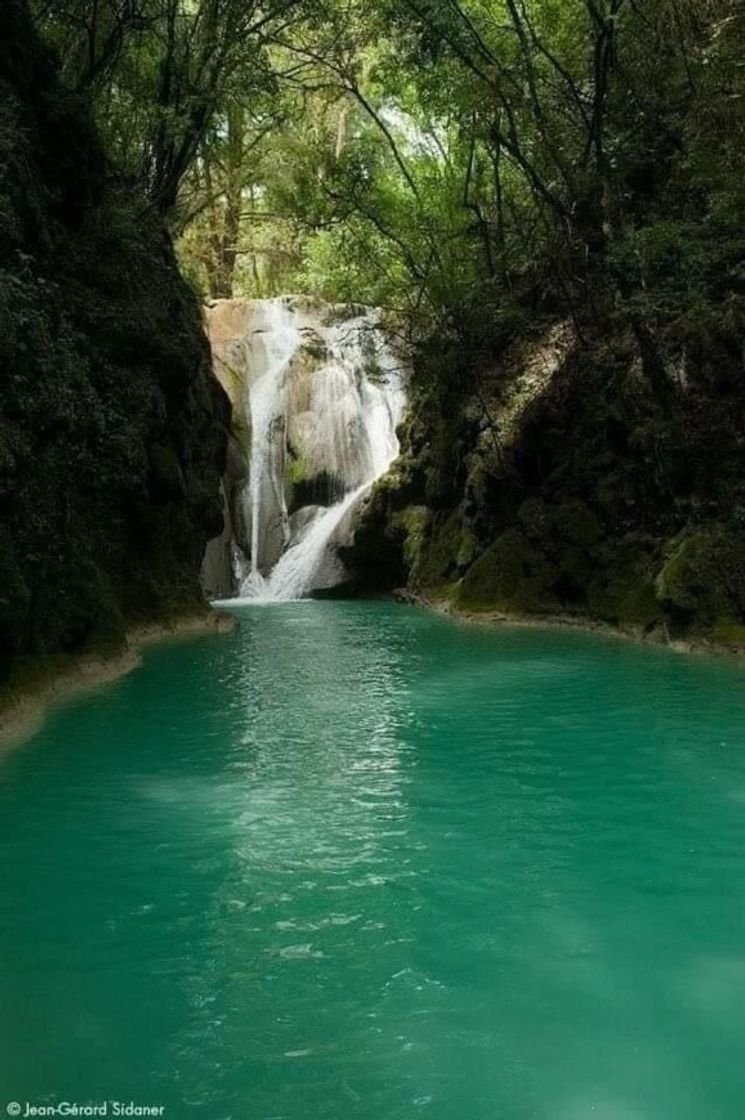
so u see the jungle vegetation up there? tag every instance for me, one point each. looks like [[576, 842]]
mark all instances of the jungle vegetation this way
[[488, 172], [448, 159]]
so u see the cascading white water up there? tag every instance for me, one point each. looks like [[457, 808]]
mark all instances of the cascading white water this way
[[266, 418], [322, 394], [297, 570]]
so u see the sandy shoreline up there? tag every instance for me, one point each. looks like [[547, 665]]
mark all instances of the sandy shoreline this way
[[23, 714], [657, 637]]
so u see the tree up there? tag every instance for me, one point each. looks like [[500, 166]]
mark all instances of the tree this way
[[162, 73]]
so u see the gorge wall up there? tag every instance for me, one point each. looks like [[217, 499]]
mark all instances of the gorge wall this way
[[112, 428], [556, 478]]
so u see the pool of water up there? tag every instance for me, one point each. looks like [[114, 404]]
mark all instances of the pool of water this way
[[354, 860]]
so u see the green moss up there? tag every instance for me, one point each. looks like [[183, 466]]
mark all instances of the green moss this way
[[570, 524], [536, 519], [703, 575], [412, 522], [512, 576], [234, 377], [437, 558], [729, 632], [577, 523], [685, 580], [468, 549], [297, 470], [625, 595]]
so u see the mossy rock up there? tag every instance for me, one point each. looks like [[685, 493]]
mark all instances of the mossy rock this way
[[623, 593], [468, 548], [571, 521], [684, 580], [703, 575], [412, 521], [113, 429], [568, 535], [578, 524], [376, 559], [314, 348], [297, 470], [729, 632], [437, 560], [511, 575], [536, 519], [322, 489], [15, 597]]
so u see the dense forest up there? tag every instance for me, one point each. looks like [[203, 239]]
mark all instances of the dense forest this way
[[459, 164], [546, 199]]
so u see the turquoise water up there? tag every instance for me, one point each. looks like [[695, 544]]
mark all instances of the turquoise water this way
[[354, 860]]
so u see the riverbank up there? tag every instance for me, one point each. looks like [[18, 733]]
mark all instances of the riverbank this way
[[659, 635], [28, 701]]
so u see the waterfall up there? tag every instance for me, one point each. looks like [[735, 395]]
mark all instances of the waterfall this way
[[300, 567], [321, 393], [266, 420]]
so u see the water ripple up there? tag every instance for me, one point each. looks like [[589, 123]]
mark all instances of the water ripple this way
[[356, 861]]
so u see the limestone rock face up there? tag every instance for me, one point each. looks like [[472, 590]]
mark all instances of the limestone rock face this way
[[316, 399], [112, 428]]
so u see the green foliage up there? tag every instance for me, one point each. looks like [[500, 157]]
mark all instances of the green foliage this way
[[166, 78], [446, 160]]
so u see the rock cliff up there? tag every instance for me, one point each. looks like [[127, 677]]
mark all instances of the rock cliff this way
[[112, 429], [553, 480]]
